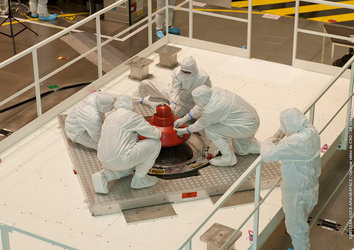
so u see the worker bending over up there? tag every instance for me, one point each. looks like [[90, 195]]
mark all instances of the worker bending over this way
[[120, 151], [185, 79], [223, 115], [83, 124], [299, 153]]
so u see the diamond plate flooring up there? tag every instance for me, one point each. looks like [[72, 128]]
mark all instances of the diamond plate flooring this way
[[210, 181]]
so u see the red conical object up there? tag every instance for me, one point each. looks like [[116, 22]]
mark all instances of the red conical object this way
[[163, 120]]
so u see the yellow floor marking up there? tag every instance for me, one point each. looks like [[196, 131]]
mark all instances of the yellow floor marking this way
[[338, 18], [305, 9], [242, 4], [35, 19]]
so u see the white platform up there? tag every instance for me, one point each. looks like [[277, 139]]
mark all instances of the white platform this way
[[40, 193]]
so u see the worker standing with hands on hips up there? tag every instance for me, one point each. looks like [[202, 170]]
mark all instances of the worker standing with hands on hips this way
[[83, 124], [297, 146], [223, 115], [185, 79], [160, 19], [120, 151]]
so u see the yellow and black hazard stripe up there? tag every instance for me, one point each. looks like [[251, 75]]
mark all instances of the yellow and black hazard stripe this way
[[311, 11]]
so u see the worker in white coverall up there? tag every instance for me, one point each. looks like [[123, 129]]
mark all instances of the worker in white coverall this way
[[185, 79], [83, 124], [39, 10], [160, 19], [299, 153], [223, 115], [119, 149]]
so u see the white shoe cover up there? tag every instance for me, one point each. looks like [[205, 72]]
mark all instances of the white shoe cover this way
[[143, 182], [116, 175], [254, 147], [100, 183], [223, 161]]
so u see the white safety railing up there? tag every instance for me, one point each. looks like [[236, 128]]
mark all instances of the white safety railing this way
[[256, 166], [139, 26], [298, 62], [7, 229], [73, 28]]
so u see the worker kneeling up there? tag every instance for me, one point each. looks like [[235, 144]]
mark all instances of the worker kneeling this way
[[119, 149], [223, 115], [83, 124]]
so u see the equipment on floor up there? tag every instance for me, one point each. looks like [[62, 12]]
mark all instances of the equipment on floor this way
[[344, 59], [163, 119], [12, 35]]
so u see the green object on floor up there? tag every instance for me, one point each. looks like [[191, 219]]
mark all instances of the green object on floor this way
[[53, 87]]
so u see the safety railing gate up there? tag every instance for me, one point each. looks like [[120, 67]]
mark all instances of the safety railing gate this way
[[256, 166], [134, 29]]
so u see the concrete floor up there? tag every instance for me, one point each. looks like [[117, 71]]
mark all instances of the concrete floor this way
[[272, 41]]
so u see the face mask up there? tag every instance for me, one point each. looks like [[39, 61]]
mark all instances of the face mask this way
[[187, 80]]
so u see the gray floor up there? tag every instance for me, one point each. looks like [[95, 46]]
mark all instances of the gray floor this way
[[272, 40]]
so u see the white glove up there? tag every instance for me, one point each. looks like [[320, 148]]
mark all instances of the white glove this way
[[181, 121], [173, 106], [181, 131], [278, 136]]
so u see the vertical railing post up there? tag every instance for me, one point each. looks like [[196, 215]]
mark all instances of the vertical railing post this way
[[312, 114], [188, 245], [256, 201], [99, 48], [166, 16], [296, 25], [343, 144], [5, 241], [149, 22], [190, 18], [249, 28], [36, 82]]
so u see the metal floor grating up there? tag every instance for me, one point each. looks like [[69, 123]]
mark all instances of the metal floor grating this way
[[210, 181]]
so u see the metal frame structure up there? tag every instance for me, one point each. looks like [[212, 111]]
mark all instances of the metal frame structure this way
[[5, 240], [319, 67], [42, 119]]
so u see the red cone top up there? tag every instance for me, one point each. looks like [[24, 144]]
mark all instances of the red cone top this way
[[163, 120]]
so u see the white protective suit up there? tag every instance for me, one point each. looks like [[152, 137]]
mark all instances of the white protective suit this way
[[39, 9], [119, 149], [223, 115], [299, 154], [160, 17], [179, 93], [83, 124]]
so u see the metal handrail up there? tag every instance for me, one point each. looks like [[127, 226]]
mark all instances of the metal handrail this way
[[65, 31], [338, 111], [309, 108], [256, 165], [6, 229], [250, 215], [224, 197]]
